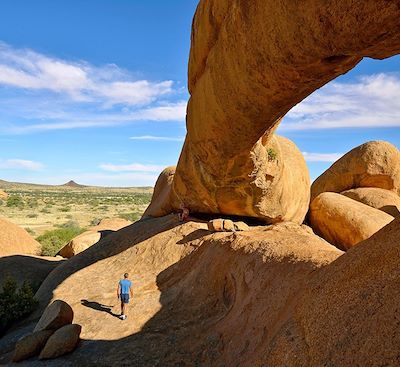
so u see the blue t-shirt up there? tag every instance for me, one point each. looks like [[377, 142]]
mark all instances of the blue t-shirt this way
[[125, 285]]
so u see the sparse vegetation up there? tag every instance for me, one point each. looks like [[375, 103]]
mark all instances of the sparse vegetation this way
[[272, 154], [47, 208], [15, 201], [53, 241], [133, 217], [15, 304]]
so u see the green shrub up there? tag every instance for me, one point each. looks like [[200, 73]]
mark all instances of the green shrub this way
[[32, 215], [65, 209], [15, 303], [272, 154], [15, 201], [54, 240]]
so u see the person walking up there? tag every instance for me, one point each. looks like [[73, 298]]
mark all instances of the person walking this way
[[124, 291]]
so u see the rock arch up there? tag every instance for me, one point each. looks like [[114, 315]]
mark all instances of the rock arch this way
[[250, 63]]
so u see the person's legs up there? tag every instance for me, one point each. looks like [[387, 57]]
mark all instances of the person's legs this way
[[124, 305]]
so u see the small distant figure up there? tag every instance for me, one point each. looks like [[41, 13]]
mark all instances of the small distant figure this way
[[184, 214], [124, 290]]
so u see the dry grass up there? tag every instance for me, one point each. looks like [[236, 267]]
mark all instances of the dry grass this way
[[40, 208]]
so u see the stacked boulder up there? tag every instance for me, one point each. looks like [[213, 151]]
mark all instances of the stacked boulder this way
[[226, 225], [53, 336], [358, 195]]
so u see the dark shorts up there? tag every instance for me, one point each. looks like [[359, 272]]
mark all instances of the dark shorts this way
[[125, 298]]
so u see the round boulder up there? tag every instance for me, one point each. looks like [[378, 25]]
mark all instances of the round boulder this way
[[385, 200], [373, 164], [58, 314], [63, 341], [345, 222], [30, 345]]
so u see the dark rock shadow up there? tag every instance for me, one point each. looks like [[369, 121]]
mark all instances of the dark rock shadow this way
[[98, 307]]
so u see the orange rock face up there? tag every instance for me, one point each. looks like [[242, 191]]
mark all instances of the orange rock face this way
[[345, 222], [250, 63], [14, 240]]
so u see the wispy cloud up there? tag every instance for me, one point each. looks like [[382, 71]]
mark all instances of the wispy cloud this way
[[134, 167], [371, 101], [322, 157], [27, 69], [21, 164], [43, 93], [156, 138]]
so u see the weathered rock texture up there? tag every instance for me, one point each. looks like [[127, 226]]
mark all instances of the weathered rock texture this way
[[56, 315], [163, 200], [373, 164], [31, 345], [275, 296], [385, 200], [345, 222], [63, 341], [250, 63], [14, 240], [92, 236]]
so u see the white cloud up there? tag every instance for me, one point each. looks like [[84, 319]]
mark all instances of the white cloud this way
[[21, 164], [81, 81], [156, 138], [67, 121], [134, 167], [322, 157], [371, 101]]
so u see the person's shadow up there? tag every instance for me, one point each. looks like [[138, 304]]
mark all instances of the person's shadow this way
[[98, 307]]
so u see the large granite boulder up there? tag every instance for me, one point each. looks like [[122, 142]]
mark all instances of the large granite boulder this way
[[63, 341], [345, 222], [385, 200], [30, 345], [56, 315], [15, 240], [373, 164]]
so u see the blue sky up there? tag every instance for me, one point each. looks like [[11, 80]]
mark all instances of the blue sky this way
[[95, 91]]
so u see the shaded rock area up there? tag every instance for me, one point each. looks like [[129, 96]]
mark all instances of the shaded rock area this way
[[30, 345], [14, 240], [92, 236], [53, 336], [56, 315], [63, 341], [33, 269]]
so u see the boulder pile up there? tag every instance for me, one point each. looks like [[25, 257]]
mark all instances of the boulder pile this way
[[53, 336], [358, 195]]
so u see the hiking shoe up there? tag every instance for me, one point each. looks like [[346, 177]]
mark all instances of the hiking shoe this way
[[123, 317]]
